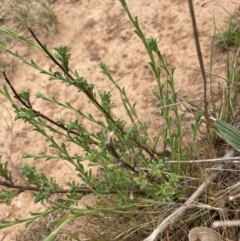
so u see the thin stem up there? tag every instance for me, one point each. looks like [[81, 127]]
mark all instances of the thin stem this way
[[38, 113], [23, 188], [84, 191], [200, 59]]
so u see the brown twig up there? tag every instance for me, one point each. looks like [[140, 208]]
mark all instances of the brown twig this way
[[81, 190], [14, 91], [37, 189], [167, 235]]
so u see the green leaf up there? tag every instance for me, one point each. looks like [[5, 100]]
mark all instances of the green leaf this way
[[25, 95], [7, 196], [61, 54], [106, 100], [40, 156], [61, 223], [3, 169], [34, 216], [6, 93], [30, 173], [14, 35], [229, 133]]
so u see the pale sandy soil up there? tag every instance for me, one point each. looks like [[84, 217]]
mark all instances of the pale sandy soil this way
[[100, 31]]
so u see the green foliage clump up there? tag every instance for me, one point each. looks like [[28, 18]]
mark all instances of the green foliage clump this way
[[130, 165]]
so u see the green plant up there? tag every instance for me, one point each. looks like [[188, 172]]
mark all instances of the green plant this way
[[130, 163], [135, 183], [228, 87], [229, 133], [230, 94], [230, 37]]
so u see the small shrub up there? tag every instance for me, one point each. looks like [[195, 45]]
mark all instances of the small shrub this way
[[135, 185], [129, 160]]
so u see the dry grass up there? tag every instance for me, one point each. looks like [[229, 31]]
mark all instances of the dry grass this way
[[16, 16], [39, 15]]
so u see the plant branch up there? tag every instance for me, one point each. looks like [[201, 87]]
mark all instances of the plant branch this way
[[49, 54], [89, 94], [38, 113], [84, 191], [14, 91], [111, 148], [23, 188]]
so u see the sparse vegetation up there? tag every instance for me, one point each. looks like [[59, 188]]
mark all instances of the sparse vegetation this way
[[16, 16], [136, 184], [231, 36], [38, 15]]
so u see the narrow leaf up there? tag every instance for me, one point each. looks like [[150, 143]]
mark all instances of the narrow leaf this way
[[229, 133]]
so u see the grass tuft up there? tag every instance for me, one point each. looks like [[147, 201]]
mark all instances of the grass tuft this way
[[231, 36], [16, 16]]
